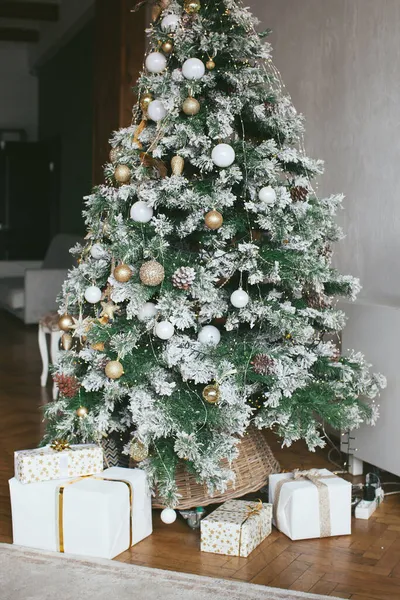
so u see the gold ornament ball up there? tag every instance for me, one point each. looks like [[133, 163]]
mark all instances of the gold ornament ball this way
[[167, 47], [177, 164], [114, 155], [152, 273], [214, 219], [191, 107], [211, 394], [122, 174], [66, 341], [145, 100], [123, 273], [210, 64], [82, 411], [139, 451], [114, 369], [192, 6], [65, 322]]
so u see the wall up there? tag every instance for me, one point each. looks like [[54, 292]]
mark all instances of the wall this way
[[18, 89], [340, 61]]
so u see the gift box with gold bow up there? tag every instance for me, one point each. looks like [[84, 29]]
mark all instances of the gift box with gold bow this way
[[58, 461], [310, 504], [236, 528]]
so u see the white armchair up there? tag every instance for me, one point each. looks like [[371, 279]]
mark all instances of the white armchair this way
[[28, 289]]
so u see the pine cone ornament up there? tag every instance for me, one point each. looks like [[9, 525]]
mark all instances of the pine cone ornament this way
[[299, 193], [68, 385], [263, 364], [183, 278]]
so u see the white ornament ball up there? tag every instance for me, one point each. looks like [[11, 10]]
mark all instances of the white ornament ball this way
[[157, 111], [93, 294], [193, 68], [156, 62], [97, 251], [147, 311], [168, 516], [141, 212], [267, 195], [240, 298], [223, 155], [164, 330], [209, 335], [170, 23]]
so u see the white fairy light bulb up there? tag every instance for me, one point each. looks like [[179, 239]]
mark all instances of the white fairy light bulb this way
[[97, 251], [157, 111], [267, 195], [170, 23], [93, 294], [209, 335], [223, 155], [147, 311], [168, 516], [141, 212], [164, 330], [193, 69], [240, 298], [156, 62]]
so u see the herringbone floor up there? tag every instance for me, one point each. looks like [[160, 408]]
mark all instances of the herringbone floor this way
[[363, 566]]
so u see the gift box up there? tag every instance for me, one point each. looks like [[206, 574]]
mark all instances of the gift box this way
[[236, 528], [310, 504], [98, 516], [45, 464]]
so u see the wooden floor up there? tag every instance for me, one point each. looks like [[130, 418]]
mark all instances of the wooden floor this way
[[364, 566]]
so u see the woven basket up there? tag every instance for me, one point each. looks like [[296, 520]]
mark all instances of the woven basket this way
[[252, 468]]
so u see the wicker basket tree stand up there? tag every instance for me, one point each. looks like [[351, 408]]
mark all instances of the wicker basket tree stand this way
[[252, 468]]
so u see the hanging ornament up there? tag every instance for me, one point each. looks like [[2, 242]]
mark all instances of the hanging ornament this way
[[66, 340], [170, 23], [168, 516], [212, 394], [263, 364], [93, 294], [138, 451], [68, 385], [156, 62], [109, 310], [114, 154], [209, 335], [152, 273], [164, 330], [193, 69], [192, 6], [223, 155], [183, 278], [191, 107], [99, 346], [240, 298], [157, 111], [210, 64], [123, 273], [145, 100], [141, 212], [299, 193], [267, 195], [114, 369], [65, 322], [167, 46], [82, 412], [147, 311], [122, 174], [177, 164], [81, 327], [214, 220], [97, 252]]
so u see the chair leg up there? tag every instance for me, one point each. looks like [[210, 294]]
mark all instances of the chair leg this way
[[54, 350], [45, 356]]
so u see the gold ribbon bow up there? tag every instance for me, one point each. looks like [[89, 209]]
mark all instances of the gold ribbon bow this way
[[251, 512], [60, 445], [315, 477]]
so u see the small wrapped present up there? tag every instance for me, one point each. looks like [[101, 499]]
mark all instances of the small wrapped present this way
[[99, 516], [236, 528], [58, 461], [311, 504]]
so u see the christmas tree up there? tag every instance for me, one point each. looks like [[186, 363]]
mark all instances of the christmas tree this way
[[204, 297]]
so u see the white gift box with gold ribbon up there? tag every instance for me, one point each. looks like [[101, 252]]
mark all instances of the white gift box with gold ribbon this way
[[236, 528], [99, 516], [310, 504], [44, 464]]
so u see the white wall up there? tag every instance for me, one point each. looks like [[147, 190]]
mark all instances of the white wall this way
[[340, 61], [18, 89]]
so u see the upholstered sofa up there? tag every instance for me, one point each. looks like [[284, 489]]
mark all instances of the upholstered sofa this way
[[28, 289]]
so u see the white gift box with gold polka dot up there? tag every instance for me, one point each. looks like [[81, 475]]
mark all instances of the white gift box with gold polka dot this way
[[45, 464], [236, 528]]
